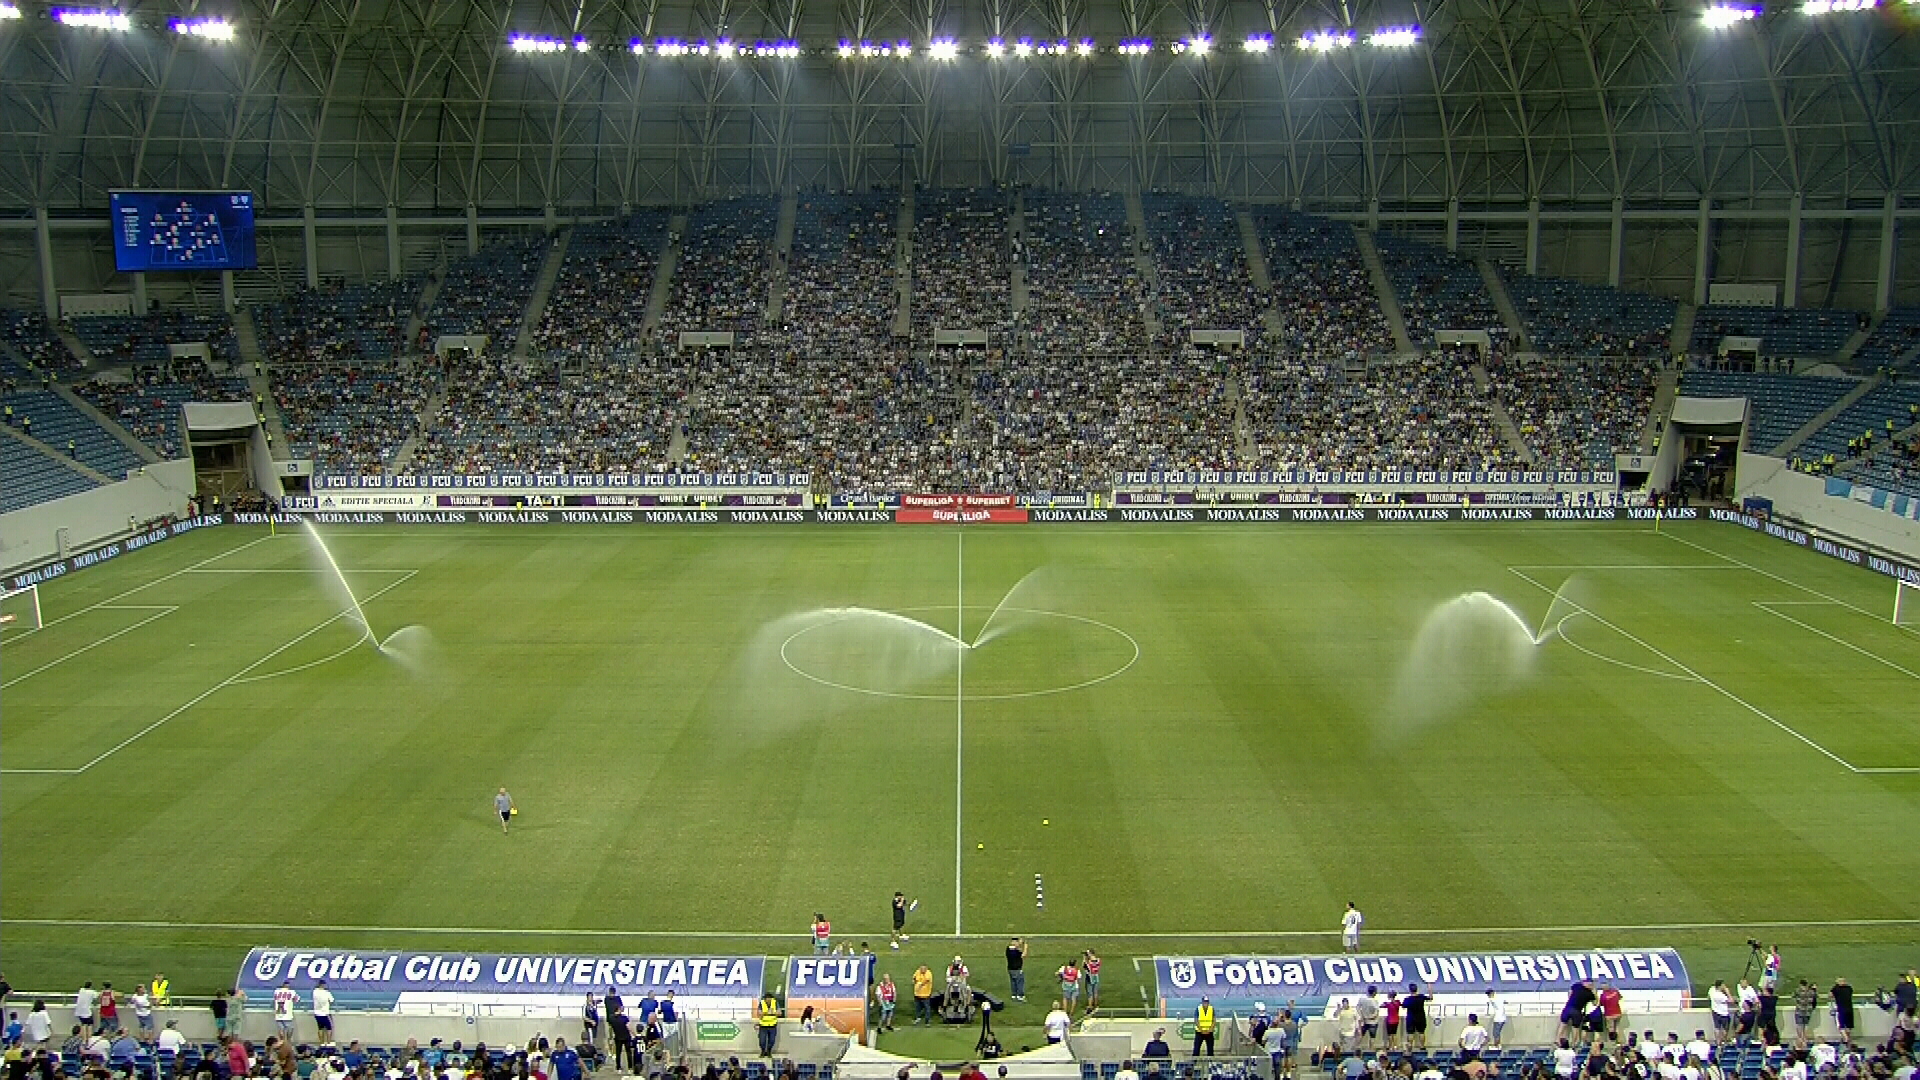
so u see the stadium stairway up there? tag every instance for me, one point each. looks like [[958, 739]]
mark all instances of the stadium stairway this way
[[262, 386], [77, 347], [1501, 418], [903, 265], [663, 276], [1017, 232], [1143, 264], [423, 303], [1503, 303], [1383, 290], [1845, 356], [1243, 444], [107, 423], [783, 247], [1683, 316], [1666, 387], [1258, 273], [60, 456], [1825, 417], [542, 288]]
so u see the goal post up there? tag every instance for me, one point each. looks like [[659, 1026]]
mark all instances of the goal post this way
[[1906, 603], [20, 609]]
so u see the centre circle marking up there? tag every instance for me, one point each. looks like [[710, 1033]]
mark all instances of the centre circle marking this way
[[1081, 685]]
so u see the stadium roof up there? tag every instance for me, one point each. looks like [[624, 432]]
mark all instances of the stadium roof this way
[[424, 105]]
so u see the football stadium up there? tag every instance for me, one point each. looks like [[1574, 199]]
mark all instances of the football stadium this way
[[1060, 541]]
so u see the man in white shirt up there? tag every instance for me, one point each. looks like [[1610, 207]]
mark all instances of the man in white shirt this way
[[1563, 1059], [39, 1026], [1057, 1024], [1822, 1056], [1350, 925], [284, 999], [83, 1008], [1473, 1038], [323, 1012], [142, 1012], [1698, 1048], [1496, 1017], [171, 1041], [1720, 1004], [1126, 1071]]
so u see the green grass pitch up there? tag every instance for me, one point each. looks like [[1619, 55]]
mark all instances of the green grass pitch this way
[[1693, 754]]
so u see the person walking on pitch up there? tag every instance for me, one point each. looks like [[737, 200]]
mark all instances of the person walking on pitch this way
[[503, 805]]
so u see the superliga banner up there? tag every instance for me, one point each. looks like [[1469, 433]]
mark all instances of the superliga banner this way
[[1648, 979], [421, 981]]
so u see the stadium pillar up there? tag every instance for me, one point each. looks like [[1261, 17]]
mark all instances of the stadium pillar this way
[[1883, 281], [1453, 225], [43, 239], [473, 229], [227, 303], [1703, 251], [1790, 288], [310, 233], [139, 294], [393, 241], [1617, 243], [1533, 236], [1373, 215]]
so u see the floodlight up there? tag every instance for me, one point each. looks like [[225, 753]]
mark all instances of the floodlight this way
[[845, 50], [1199, 44], [581, 44], [1259, 43], [8, 11], [1084, 47], [671, 47], [943, 49], [903, 50], [725, 49], [637, 47], [210, 29], [530, 43], [92, 19], [1023, 48], [1830, 7], [1326, 41], [1136, 47], [1723, 16], [1395, 37], [996, 48]]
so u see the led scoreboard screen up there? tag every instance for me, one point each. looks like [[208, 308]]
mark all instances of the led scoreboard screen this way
[[171, 230]]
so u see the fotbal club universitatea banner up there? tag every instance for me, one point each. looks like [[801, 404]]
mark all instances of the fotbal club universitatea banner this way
[[1648, 979]]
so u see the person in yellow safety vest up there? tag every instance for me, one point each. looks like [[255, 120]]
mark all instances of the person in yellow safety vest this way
[[766, 1015], [160, 990], [1203, 1027]]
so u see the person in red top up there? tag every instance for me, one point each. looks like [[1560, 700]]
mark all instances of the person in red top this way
[[822, 934], [888, 996], [1610, 1008], [1090, 967], [237, 1063], [1070, 986], [109, 1009], [1390, 1016]]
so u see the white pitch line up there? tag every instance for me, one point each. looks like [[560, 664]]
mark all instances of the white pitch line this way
[[1619, 566], [1768, 608], [161, 611], [204, 695], [1785, 581], [959, 713], [789, 935], [1723, 691], [108, 602], [303, 570]]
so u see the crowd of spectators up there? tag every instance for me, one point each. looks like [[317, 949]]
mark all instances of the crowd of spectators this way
[[1084, 291], [962, 275], [351, 418], [1438, 290], [1201, 265], [33, 337], [599, 299], [1322, 288], [509, 416], [487, 292], [118, 340], [338, 324], [842, 289], [726, 264], [1421, 414], [1893, 342], [149, 404], [1069, 423], [1581, 319], [1799, 333], [1575, 414]]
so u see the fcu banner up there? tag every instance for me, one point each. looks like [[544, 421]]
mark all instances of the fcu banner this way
[[1646, 978], [397, 980], [836, 987]]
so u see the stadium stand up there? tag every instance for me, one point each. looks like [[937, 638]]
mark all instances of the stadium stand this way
[[1779, 404], [841, 285], [1882, 411], [144, 339], [1800, 333], [961, 276], [1421, 414], [487, 292], [149, 406], [512, 417], [1892, 341], [1575, 414], [1084, 292], [33, 338], [1579, 319], [726, 262], [1438, 290], [350, 418], [1899, 473], [1204, 283], [50, 418], [1321, 287], [28, 477], [340, 324], [599, 299]]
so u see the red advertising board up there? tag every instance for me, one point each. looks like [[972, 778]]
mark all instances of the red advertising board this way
[[984, 515], [957, 502]]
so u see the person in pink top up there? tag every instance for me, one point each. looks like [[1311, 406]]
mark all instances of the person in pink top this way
[[237, 1063]]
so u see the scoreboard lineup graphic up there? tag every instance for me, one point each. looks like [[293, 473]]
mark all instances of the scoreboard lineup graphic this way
[[183, 231]]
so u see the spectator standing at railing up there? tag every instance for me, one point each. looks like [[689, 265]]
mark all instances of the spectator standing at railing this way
[[1720, 1004], [39, 1025], [323, 1012], [1805, 1000], [1842, 995]]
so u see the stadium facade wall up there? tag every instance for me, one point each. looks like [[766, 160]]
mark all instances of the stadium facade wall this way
[[1804, 498], [32, 535]]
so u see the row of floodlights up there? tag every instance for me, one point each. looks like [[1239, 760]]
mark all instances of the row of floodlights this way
[[949, 49], [208, 29], [1720, 16]]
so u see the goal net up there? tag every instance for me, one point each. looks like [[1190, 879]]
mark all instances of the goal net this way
[[1906, 603], [19, 610]]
